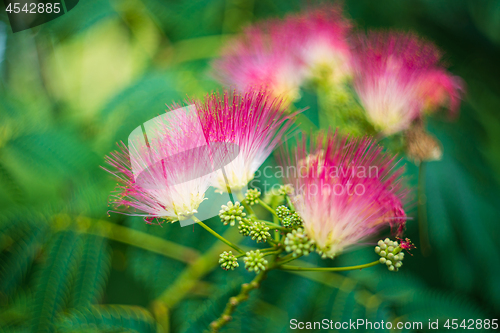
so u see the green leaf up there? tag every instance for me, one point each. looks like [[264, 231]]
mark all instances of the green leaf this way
[[53, 284], [22, 253], [108, 318], [92, 272]]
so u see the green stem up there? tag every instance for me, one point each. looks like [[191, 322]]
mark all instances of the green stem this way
[[189, 278], [274, 226], [138, 239], [248, 207], [289, 203], [266, 206], [328, 269], [422, 212], [287, 258], [210, 230], [246, 288]]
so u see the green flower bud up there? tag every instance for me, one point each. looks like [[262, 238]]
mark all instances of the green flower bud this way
[[254, 261], [244, 227], [230, 213], [259, 232], [385, 250], [282, 211], [293, 220], [252, 196], [298, 243], [228, 261]]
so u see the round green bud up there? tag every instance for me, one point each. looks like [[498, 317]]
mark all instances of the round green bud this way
[[391, 268], [382, 260], [282, 211], [255, 261], [228, 261], [377, 249], [390, 256], [231, 213], [390, 249], [252, 196], [388, 262], [383, 253], [259, 232], [298, 243]]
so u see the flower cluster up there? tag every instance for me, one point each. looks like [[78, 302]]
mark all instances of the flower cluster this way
[[398, 77]]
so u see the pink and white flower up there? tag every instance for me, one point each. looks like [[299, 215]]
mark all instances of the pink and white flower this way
[[254, 121], [261, 57], [398, 77], [345, 190], [165, 170], [320, 41]]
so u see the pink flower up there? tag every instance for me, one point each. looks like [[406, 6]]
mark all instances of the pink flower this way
[[344, 189], [254, 121], [320, 42], [398, 77], [165, 172], [261, 57]]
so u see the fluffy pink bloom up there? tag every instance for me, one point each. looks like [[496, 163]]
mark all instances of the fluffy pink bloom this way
[[320, 42], [281, 54], [254, 121], [344, 189], [164, 174], [398, 77], [261, 57]]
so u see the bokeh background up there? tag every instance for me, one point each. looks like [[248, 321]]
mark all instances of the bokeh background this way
[[71, 88]]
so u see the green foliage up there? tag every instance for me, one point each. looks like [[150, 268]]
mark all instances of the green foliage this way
[[55, 276], [92, 272], [108, 318]]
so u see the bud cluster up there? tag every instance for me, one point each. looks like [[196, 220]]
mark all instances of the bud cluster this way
[[288, 218], [390, 254], [255, 261], [231, 213], [252, 196], [259, 232], [228, 261], [298, 243]]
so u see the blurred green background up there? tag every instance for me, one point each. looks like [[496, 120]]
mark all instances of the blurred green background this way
[[71, 88]]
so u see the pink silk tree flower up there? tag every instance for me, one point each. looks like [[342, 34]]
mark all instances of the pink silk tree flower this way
[[320, 41], [345, 190], [262, 57], [254, 122], [165, 170], [398, 77]]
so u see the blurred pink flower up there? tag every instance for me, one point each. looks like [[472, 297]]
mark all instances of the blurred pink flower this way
[[398, 77], [281, 54], [254, 121], [261, 57], [320, 42], [344, 189]]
